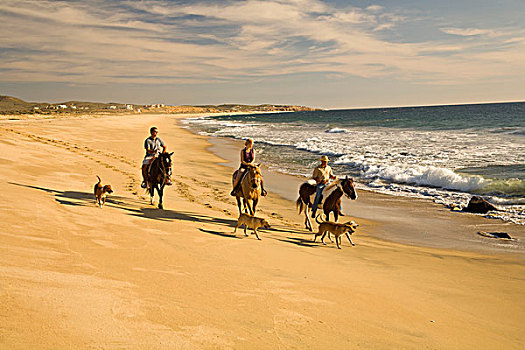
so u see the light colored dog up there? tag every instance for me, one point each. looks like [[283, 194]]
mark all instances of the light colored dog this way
[[252, 222], [101, 192], [327, 227]]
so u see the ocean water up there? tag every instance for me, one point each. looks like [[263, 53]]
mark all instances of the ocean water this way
[[443, 153]]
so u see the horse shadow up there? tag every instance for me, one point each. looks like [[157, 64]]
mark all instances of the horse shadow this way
[[136, 208]]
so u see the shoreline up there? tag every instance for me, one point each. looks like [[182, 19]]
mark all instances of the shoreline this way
[[286, 185], [133, 276]]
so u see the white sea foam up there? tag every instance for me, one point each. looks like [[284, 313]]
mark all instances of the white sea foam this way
[[424, 176], [336, 131], [408, 162]]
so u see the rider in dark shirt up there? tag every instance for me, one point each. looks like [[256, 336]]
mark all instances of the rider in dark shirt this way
[[247, 159]]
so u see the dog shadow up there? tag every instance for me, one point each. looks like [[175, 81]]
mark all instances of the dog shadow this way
[[136, 208], [222, 234], [76, 198], [309, 243]]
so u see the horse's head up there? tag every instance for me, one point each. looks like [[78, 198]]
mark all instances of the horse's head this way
[[165, 159], [349, 188], [254, 175]]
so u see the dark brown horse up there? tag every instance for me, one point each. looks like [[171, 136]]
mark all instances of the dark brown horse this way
[[249, 189], [332, 202], [158, 175]]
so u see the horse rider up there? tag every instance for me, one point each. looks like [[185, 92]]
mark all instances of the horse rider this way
[[247, 159], [322, 176], [153, 146]]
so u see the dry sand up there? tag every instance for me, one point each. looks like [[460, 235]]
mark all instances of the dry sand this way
[[130, 276]]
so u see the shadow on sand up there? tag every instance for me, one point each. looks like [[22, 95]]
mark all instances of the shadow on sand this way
[[136, 208]]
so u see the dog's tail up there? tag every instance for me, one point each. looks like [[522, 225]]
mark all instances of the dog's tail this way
[[299, 204], [99, 180], [318, 215]]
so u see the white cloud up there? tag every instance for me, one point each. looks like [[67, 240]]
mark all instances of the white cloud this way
[[165, 42], [467, 31]]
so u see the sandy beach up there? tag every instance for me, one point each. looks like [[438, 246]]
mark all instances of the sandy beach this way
[[131, 276]]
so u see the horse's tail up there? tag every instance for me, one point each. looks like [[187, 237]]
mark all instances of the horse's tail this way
[[99, 180], [299, 204]]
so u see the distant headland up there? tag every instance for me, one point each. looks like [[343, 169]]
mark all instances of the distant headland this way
[[13, 105]]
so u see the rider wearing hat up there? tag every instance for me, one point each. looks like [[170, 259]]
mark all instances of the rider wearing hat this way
[[322, 176]]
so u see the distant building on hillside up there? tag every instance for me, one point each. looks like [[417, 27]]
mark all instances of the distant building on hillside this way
[[129, 107], [112, 107], [62, 106]]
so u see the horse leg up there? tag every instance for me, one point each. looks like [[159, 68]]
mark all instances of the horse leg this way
[[160, 191], [254, 204], [250, 207], [307, 220], [336, 214], [151, 191], [239, 204]]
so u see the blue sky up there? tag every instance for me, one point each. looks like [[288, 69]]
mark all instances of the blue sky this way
[[330, 54]]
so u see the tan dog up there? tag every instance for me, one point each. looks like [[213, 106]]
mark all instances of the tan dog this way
[[101, 192], [327, 227], [252, 222]]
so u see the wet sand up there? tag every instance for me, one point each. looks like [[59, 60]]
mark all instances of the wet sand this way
[[133, 276]]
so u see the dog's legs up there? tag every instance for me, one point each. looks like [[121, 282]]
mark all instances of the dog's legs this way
[[245, 226], [235, 229], [256, 235], [323, 236], [338, 241], [350, 239]]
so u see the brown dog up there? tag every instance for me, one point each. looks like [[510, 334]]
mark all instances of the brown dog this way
[[327, 227], [101, 192], [251, 222]]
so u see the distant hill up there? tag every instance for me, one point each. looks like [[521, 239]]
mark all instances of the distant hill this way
[[13, 105]]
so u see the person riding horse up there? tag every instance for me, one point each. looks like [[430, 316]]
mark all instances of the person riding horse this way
[[322, 176], [153, 146], [247, 159]]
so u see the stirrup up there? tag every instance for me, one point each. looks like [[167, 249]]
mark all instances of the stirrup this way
[[144, 184], [264, 193]]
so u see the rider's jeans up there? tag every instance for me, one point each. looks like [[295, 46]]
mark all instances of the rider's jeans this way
[[319, 190]]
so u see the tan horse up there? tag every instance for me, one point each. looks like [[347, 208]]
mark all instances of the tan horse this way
[[249, 189]]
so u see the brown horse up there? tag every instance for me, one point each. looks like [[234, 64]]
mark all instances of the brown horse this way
[[249, 189], [332, 202]]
